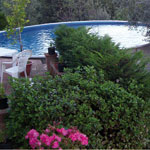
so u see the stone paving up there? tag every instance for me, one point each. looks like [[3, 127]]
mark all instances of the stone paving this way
[[38, 68]]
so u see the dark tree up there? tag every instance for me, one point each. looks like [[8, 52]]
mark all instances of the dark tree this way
[[3, 21]]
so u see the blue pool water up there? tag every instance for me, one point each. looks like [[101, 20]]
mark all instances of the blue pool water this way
[[38, 37]]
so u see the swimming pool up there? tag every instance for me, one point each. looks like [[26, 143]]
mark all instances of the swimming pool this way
[[38, 37]]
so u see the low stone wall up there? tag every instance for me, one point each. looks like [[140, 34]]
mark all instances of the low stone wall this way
[[146, 51], [145, 48]]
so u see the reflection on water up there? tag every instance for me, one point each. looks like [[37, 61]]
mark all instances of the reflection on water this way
[[122, 34]]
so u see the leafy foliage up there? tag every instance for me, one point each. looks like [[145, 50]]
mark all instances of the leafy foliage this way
[[16, 19], [78, 47], [2, 91], [82, 46], [109, 115], [3, 21]]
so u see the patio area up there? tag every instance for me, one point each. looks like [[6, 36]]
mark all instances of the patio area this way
[[38, 68]]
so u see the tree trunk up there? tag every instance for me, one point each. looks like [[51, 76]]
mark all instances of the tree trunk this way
[[20, 40]]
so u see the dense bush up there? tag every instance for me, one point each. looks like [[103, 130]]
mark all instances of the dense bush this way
[[3, 21], [72, 43], [78, 47], [109, 115], [124, 67]]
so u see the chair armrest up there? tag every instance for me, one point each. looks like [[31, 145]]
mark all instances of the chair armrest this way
[[5, 63]]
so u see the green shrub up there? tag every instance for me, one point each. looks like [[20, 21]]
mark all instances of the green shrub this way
[[3, 21], [80, 48], [109, 115]]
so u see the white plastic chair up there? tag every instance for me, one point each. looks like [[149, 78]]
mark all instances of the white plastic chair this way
[[19, 62], [12, 63]]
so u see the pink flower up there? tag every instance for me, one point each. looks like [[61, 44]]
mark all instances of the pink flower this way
[[45, 139], [70, 131], [34, 143], [55, 144], [26, 137], [77, 136], [73, 137], [47, 131], [63, 131], [52, 138], [32, 134], [57, 137], [84, 139], [84, 142]]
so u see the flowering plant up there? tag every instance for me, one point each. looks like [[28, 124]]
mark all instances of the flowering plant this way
[[57, 138]]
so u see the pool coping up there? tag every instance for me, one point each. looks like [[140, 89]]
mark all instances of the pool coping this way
[[106, 22], [43, 56]]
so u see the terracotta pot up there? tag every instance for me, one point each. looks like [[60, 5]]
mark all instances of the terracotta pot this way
[[28, 69], [56, 65]]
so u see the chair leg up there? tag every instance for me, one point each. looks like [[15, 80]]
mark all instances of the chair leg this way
[[2, 76], [2, 72], [25, 74]]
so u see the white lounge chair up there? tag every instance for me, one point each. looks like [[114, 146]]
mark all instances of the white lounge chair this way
[[19, 62]]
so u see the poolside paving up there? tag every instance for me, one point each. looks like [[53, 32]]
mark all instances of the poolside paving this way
[[38, 68]]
